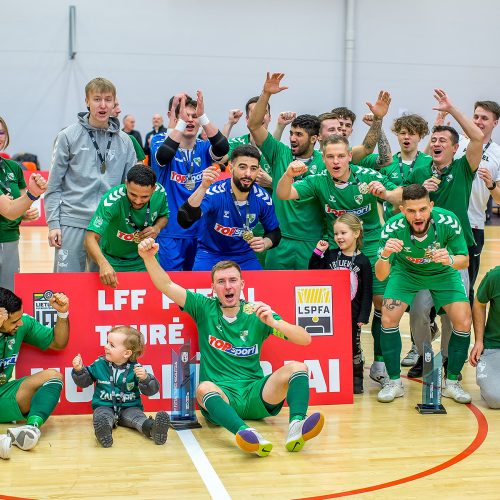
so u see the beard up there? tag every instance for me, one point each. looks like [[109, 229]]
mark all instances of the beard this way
[[422, 231], [241, 187]]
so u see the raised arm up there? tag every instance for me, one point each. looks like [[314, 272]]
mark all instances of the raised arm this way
[[147, 250], [284, 119], [255, 125], [60, 303], [285, 189], [474, 151], [12, 209], [379, 110], [232, 120]]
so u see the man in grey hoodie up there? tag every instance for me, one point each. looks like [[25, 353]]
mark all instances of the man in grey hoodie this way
[[89, 157]]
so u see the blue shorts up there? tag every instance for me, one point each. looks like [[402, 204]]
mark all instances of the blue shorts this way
[[176, 254], [205, 260]]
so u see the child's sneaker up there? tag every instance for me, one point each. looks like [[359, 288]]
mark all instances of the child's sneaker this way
[[161, 424], [103, 431], [25, 436], [5, 446], [301, 431], [251, 441]]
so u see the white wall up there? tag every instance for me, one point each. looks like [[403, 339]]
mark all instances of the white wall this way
[[153, 48]]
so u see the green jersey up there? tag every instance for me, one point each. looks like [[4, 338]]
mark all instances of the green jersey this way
[[139, 152], [11, 184], [444, 232], [32, 333], [336, 199], [245, 139], [117, 223], [230, 352], [294, 215], [489, 291], [453, 192]]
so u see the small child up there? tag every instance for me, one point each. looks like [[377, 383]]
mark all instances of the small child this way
[[348, 234], [119, 381]]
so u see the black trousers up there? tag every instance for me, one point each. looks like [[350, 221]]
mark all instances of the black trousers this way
[[475, 260]]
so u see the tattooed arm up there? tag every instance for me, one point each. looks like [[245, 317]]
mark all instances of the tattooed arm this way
[[384, 151]]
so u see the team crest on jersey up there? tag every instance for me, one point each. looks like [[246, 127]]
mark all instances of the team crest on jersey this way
[[313, 309], [332, 199], [244, 335], [448, 178], [98, 221], [42, 310], [313, 169], [226, 214], [10, 176], [358, 199], [197, 161], [228, 348], [130, 386], [251, 218]]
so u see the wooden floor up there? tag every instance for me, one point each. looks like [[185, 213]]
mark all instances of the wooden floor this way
[[367, 450]]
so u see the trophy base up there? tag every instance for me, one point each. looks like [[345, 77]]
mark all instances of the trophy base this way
[[430, 409], [180, 425]]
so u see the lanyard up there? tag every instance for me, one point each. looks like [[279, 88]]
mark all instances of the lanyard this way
[[99, 154], [339, 254], [246, 223], [362, 186], [429, 250], [146, 217], [117, 397], [6, 186], [487, 146], [411, 166]]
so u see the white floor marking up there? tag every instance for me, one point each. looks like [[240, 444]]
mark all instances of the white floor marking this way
[[203, 466]]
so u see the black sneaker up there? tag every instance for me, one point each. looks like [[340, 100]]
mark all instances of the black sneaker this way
[[161, 424], [358, 385], [416, 370], [103, 431], [445, 369]]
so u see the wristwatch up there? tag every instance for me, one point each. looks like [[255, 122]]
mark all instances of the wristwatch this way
[[493, 186]]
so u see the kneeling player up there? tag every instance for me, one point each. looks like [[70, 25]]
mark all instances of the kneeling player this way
[[232, 385], [421, 249]]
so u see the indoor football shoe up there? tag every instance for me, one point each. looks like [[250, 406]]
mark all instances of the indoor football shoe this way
[[251, 441], [456, 392], [5, 446], [24, 437], [301, 431], [390, 391]]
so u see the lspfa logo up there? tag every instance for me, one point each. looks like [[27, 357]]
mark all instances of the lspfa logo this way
[[313, 309], [42, 311]]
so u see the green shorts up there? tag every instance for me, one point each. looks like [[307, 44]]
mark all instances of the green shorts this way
[[9, 409], [290, 255], [247, 401], [370, 249], [445, 288]]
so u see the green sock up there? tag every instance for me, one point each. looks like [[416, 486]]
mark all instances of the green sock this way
[[222, 413], [297, 395], [390, 341], [457, 353], [44, 401], [376, 329]]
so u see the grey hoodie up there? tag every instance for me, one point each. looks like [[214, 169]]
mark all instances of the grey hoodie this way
[[76, 184]]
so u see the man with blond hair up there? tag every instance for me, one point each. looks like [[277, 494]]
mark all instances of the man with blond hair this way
[[89, 157]]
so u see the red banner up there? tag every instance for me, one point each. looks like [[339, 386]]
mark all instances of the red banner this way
[[39, 204], [317, 300]]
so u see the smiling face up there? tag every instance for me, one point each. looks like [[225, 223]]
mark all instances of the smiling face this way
[[442, 148], [138, 195], [100, 106], [485, 120], [418, 214], [337, 158], [227, 285], [244, 170], [115, 350], [12, 323], [345, 237], [330, 126]]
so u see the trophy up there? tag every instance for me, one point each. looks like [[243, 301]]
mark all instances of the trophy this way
[[431, 385], [183, 415]]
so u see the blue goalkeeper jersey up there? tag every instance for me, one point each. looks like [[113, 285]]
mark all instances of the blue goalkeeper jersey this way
[[173, 178], [223, 222]]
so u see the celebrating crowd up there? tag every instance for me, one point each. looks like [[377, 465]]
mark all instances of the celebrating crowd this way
[[409, 227]]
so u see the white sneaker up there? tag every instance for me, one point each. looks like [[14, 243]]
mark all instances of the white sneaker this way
[[5, 446], [379, 373], [25, 436], [251, 441], [301, 431], [456, 392], [411, 357], [390, 391]]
